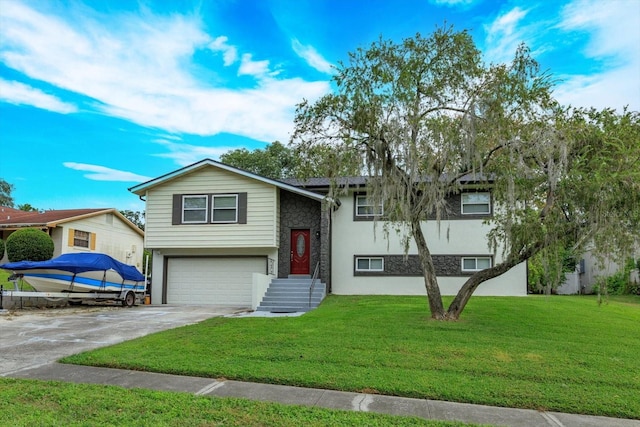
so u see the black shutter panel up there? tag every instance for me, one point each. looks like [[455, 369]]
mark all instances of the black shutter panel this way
[[242, 208], [176, 213]]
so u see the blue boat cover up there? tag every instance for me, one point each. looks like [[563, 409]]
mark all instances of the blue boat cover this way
[[79, 263]]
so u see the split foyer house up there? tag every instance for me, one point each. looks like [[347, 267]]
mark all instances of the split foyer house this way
[[80, 230], [221, 235]]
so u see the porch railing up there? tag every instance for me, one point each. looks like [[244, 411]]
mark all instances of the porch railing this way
[[316, 271]]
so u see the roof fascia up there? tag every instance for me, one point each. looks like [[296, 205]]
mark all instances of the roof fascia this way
[[113, 211], [56, 222], [18, 226], [141, 189]]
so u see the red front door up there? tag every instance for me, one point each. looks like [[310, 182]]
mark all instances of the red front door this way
[[300, 251]]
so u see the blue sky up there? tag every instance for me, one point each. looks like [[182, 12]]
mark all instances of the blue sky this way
[[97, 96]]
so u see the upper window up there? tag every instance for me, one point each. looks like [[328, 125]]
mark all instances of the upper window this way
[[225, 208], [81, 238], [194, 209], [220, 208], [476, 203], [366, 208], [475, 263], [370, 264]]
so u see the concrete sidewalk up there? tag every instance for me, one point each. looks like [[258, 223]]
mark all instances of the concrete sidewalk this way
[[427, 409]]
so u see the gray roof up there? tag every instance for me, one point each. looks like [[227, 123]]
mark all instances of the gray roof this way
[[361, 181], [353, 181]]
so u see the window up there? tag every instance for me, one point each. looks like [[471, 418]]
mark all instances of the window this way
[[475, 263], [365, 208], [370, 264], [211, 208], [194, 209], [476, 203], [225, 208], [81, 238]]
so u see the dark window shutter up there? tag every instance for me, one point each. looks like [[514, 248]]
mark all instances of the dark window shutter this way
[[176, 213], [242, 208]]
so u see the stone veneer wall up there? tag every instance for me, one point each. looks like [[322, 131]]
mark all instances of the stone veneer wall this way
[[299, 212], [398, 265], [452, 211], [325, 246]]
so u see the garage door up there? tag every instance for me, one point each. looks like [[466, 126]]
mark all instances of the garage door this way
[[224, 281]]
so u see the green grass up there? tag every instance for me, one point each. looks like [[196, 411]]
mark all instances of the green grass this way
[[4, 278], [30, 403], [8, 286], [556, 353]]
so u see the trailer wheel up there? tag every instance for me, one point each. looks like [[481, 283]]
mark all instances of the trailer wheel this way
[[129, 299]]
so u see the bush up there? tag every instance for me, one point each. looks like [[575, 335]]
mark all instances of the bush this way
[[618, 283], [29, 244], [1, 248]]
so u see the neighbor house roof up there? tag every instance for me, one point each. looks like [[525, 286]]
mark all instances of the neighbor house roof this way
[[13, 218], [7, 213], [141, 189]]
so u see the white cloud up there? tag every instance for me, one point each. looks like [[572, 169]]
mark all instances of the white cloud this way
[[311, 55], [504, 35], [186, 154], [614, 30], [21, 94], [453, 2], [253, 68], [613, 38], [101, 173], [139, 68], [229, 53]]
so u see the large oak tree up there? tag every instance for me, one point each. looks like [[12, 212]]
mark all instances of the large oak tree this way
[[423, 116]]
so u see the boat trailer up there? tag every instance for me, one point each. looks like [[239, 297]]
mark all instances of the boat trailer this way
[[128, 297]]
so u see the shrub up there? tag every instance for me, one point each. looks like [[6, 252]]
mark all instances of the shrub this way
[[1, 248], [29, 244], [618, 283]]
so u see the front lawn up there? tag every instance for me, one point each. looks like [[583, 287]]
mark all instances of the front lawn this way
[[556, 353], [40, 403]]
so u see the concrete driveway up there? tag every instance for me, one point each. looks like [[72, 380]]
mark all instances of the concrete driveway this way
[[32, 338]]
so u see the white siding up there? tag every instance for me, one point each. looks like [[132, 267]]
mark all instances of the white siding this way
[[453, 237], [113, 237], [259, 231]]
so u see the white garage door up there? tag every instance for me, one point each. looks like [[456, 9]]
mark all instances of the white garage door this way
[[224, 281]]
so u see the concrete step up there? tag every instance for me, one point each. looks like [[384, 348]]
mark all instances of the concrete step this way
[[300, 300], [296, 285], [291, 283], [287, 300], [285, 309], [296, 288], [303, 292], [290, 295]]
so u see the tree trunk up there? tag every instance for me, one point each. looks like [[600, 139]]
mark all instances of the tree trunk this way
[[464, 294], [430, 280]]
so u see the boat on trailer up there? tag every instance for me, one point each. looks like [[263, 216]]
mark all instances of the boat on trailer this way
[[80, 275]]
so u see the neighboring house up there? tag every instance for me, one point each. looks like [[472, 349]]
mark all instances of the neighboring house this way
[[219, 234], [589, 271], [80, 230]]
